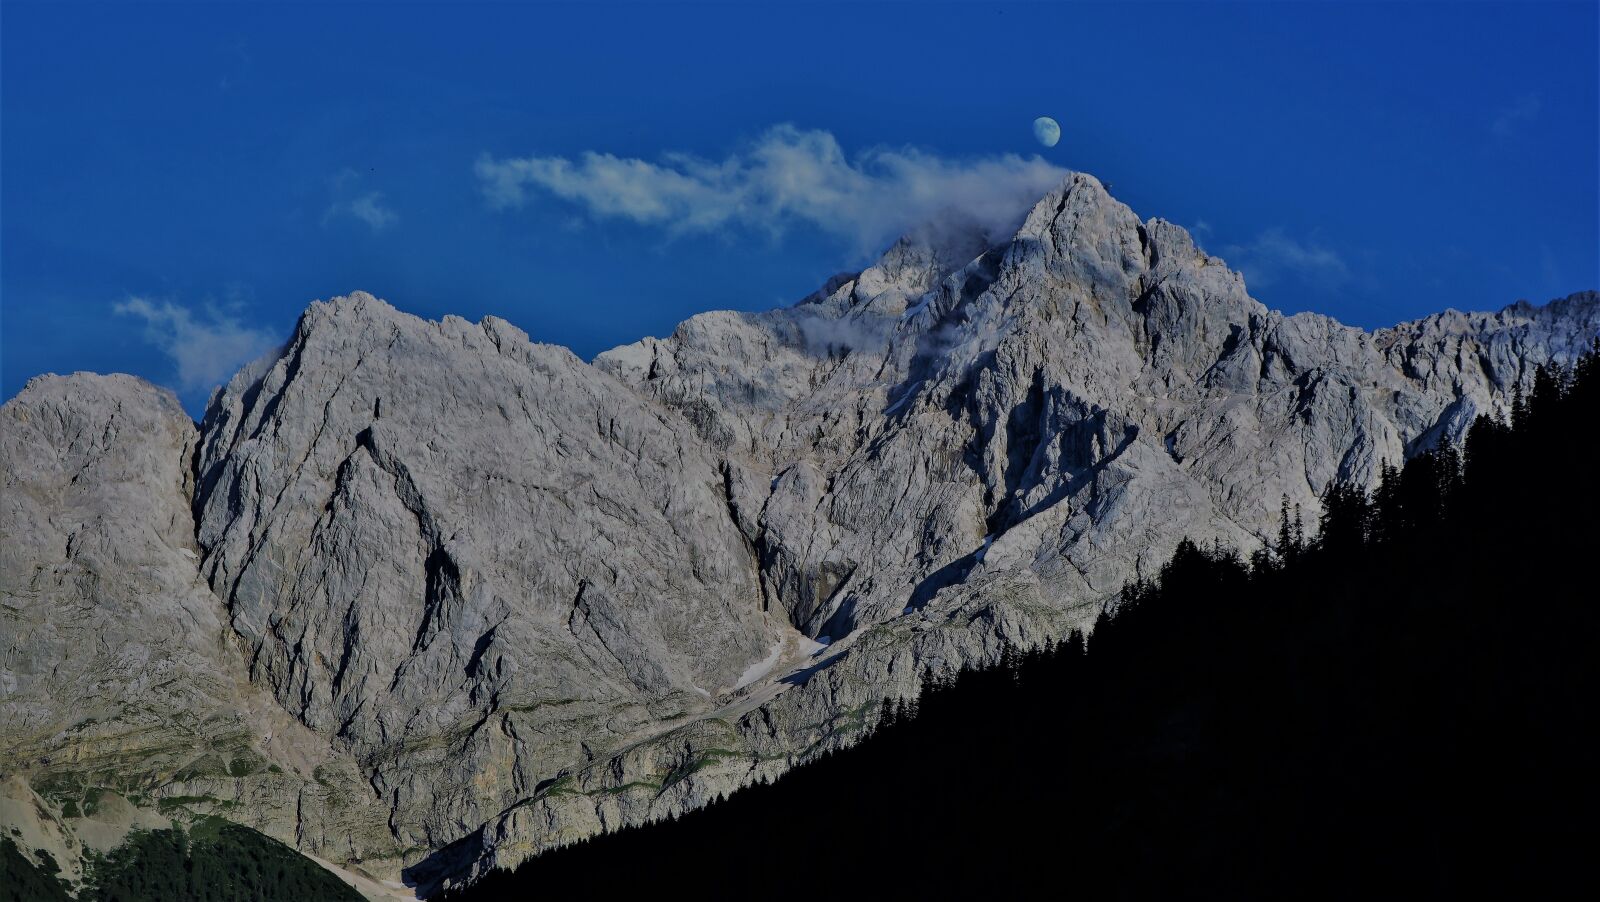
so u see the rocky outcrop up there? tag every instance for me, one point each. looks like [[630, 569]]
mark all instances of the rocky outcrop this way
[[469, 559], [1067, 405], [500, 599], [1477, 358], [120, 679]]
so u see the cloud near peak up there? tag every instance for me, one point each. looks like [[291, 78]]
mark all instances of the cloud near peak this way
[[207, 349], [787, 176], [1273, 256]]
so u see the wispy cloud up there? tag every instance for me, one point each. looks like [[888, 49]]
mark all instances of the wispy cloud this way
[[207, 347], [368, 208], [785, 177], [1509, 119], [1550, 269], [1273, 256]]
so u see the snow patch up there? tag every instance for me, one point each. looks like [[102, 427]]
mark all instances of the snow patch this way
[[699, 690], [984, 551], [809, 647], [760, 668], [919, 306]]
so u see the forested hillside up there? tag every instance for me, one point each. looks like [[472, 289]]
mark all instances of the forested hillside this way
[[1396, 700], [212, 860]]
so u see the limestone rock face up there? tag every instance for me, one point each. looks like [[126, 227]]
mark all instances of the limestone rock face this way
[[96, 491], [491, 598], [1061, 408], [467, 558], [1479, 357], [119, 676]]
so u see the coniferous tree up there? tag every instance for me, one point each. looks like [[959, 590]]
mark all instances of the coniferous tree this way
[[1387, 517], [1346, 513], [1286, 531]]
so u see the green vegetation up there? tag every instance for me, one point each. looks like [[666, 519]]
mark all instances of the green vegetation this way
[[618, 790], [213, 860], [170, 804], [562, 787], [25, 880]]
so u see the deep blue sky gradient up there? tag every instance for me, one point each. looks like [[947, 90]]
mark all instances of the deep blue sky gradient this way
[[1443, 154]]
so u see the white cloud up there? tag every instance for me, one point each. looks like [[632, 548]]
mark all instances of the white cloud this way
[[1525, 109], [1274, 255], [368, 208], [207, 349], [786, 176]]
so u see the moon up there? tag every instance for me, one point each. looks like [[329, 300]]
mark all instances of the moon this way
[[1047, 130]]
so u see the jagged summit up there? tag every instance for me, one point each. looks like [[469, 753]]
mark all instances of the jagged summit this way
[[494, 598]]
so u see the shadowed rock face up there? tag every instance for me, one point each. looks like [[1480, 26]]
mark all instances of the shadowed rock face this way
[[500, 599]]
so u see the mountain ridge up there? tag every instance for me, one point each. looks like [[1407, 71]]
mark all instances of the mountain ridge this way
[[504, 598]]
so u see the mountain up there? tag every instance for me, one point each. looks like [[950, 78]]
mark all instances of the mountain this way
[[1399, 704], [424, 599]]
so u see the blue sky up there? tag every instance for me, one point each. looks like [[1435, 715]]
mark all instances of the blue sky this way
[[178, 182]]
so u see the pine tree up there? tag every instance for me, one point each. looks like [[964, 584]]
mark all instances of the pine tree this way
[[1388, 513], [1285, 529], [1519, 407], [1346, 514]]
